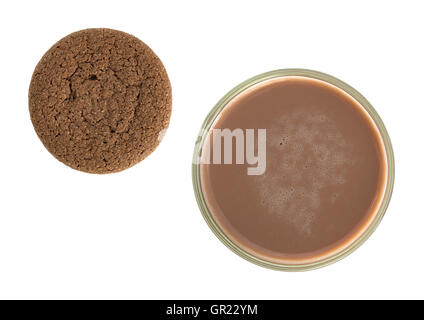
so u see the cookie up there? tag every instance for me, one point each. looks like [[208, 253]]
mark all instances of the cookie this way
[[100, 100]]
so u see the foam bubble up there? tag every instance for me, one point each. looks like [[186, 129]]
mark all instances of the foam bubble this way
[[308, 155]]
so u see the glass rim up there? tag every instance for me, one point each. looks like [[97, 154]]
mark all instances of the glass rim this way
[[209, 121]]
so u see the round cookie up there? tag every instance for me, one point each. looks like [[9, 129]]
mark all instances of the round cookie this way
[[100, 100]]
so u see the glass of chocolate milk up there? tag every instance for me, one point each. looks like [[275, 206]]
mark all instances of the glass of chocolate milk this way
[[293, 169]]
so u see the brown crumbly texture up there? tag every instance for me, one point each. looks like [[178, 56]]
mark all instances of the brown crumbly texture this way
[[99, 100]]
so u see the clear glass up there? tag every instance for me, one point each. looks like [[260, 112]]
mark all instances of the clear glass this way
[[209, 121]]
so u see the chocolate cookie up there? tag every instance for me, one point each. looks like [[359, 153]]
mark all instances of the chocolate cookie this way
[[100, 100]]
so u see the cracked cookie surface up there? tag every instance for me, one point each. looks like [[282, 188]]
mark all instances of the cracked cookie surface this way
[[100, 100]]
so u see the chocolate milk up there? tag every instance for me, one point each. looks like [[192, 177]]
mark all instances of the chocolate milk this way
[[325, 173]]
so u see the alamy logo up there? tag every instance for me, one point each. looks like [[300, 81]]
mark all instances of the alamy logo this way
[[219, 143]]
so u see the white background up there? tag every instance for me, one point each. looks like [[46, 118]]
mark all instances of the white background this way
[[139, 233]]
